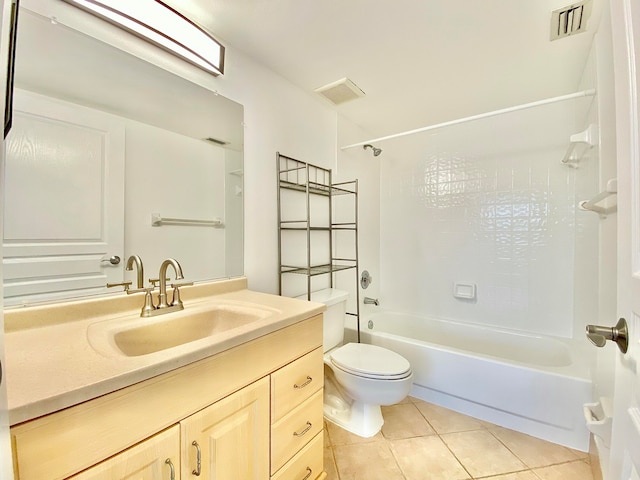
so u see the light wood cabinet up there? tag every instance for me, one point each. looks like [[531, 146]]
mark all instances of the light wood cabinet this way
[[297, 419], [157, 458], [229, 439], [223, 403]]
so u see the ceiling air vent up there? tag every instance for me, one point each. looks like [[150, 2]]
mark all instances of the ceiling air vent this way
[[340, 91], [570, 20]]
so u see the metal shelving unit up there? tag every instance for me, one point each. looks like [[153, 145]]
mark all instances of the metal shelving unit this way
[[309, 181]]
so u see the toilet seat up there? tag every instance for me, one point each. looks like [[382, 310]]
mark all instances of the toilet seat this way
[[370, 361]]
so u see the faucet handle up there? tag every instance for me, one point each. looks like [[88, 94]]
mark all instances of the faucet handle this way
[[176, 293], [148, 306], [155, 281], [140, 290], [126, 285]]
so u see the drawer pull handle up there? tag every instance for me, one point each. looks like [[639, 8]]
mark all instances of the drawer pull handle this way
[[198, 470], [309, 380], [306, 429], [172, 474], [308, 475]]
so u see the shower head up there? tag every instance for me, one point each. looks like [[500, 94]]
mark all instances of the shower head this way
[[376, 151]]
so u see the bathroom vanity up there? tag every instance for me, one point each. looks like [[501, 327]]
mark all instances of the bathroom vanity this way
[[243, 402]]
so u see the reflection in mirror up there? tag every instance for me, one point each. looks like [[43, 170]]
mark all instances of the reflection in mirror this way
[[103, 141]]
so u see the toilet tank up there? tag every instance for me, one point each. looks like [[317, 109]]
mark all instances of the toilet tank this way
[[333, 326]]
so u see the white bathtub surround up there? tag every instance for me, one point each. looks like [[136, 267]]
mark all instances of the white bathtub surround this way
[[530, 383], [488, 203]]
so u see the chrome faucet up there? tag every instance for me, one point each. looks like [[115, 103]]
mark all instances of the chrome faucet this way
[[371, 301], [135, 259], [162, 298]]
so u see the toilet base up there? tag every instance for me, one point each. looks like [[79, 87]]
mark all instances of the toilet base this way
[[364, 420]]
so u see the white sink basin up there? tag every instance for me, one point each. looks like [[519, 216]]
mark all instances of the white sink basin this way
[[136, 336]]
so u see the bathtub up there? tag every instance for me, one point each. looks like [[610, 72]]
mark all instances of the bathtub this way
[[530, 383]]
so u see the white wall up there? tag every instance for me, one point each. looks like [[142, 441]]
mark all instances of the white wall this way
[[278, 117], [488, 203], [177, 177]]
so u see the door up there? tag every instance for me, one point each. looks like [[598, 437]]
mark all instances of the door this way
[[624, 461], [63, 200], [230, 439], [6, 465]]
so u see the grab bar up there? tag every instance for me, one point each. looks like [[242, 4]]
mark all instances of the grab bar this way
[[158, 221]]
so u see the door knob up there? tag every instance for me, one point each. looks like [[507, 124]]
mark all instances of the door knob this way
[[113, 260], [599, 335]]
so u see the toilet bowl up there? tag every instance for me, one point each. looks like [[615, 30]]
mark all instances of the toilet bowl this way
[[359, 378]]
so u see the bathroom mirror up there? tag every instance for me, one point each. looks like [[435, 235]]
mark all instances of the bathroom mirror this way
[[111, 156]]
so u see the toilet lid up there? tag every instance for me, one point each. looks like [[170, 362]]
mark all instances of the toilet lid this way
[[370, 361]]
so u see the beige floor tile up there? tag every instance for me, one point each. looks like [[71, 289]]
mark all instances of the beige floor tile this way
[[444, 420], [533, 451], [367, 461], [527, 475], [330, 465], [405, 400], [578, 470], [404, 421], [426, 458], [482, 454], [339, 436]]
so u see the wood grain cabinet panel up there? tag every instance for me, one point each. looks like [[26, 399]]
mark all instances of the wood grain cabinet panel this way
[[307, 464], [296, 382], [157, 458], [230, 439], [295, 430]]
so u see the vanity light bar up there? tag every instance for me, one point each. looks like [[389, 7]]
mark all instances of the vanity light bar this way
[[163, 26]]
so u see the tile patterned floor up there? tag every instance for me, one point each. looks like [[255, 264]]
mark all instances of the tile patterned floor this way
[[421, 441]]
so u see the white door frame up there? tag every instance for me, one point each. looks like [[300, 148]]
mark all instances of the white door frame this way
[[6, 463], [625, 443]]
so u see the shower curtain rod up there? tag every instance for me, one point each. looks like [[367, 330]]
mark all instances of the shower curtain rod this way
[[583, 93]]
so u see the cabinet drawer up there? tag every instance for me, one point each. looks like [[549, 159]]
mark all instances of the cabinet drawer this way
[[294, 383], [295, 430], [307, 464]]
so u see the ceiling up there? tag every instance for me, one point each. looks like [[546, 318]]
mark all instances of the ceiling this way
[[420, 62]]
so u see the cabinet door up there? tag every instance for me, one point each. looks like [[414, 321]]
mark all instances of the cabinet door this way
[[229, 439], [157, 458]]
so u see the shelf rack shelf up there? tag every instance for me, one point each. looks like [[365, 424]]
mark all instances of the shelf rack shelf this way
[[313, 181]]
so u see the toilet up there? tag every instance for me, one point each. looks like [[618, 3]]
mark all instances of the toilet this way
[[359, 378]]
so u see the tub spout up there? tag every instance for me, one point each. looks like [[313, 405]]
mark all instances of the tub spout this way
[[371, 301]]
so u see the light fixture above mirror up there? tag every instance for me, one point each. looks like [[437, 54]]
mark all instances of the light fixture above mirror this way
[[158, 23]]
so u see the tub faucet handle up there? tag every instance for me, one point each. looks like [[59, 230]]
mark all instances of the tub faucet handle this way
[[619, 334], [371, 301]]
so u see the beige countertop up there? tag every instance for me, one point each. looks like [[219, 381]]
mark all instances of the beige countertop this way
[[60, 355]]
